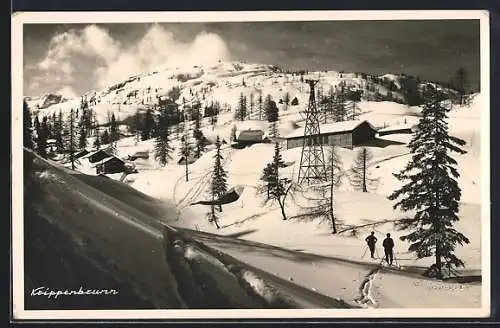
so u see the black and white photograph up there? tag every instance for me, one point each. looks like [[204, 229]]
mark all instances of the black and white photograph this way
[[221, 165]]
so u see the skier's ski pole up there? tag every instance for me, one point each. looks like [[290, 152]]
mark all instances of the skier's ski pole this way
[[366, 248]]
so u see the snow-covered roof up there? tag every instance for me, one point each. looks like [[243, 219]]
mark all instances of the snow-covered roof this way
[[93, 153], [397, 127], [250, 125], [107, 159], [330, 128]]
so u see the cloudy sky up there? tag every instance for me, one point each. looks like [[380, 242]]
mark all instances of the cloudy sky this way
[[79, 57]]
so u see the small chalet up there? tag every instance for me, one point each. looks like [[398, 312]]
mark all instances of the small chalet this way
[[110, 165], [345, 134], [249, 132], [249, 136]]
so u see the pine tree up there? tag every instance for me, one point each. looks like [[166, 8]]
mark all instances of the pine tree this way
[[252, 103], [277, 187], [82, 133], [162, 143], [71, 138], [431, 189], [186, 151], [241, 109], [201, 144], [113, 129], [219, 175], [286, 100], [274, 129], [340, 103], [259, 100], [58, 132], [459, 82], [270, 109], [148, 125], [136, 126], [27, 127], [361, 178], [105, 139], [41, 137], [97, 142]]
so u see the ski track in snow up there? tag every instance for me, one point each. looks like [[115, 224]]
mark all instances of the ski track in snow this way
[[366, 288]]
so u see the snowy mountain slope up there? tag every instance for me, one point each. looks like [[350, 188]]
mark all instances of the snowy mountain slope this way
[[221, 82], [235, 273], [111, 233], [390, 154]]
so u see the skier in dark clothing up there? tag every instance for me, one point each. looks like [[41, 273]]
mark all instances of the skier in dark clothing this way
[[371, 240], [388, 244]]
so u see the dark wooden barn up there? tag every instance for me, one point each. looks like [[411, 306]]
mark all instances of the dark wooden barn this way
[[347, 134], [110, 165]]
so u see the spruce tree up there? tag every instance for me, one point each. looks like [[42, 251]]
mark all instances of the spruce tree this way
[[136, 126], [459, 82], [252, 103], [58, 132], [71, 138], [113, 129], [82, 133], [431, 188], [361, 178], [162, 143], [219, 175], [340, 106], [186, 151], [277, 186], [241, 109], [286, 100], [41, 137], [270, 109], [105, 139], [27, 127], [259, 100], [97, 142], [148, 125]]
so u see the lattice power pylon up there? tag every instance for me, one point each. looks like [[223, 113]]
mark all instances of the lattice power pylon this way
[[312, 160]]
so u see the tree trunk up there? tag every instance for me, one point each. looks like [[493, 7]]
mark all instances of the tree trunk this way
[[187, 171], [282, 207], [364, 171], [438, 263], [332, 202]]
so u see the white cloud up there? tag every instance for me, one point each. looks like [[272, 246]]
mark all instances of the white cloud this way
[[158, 48], [67, 92], [114, 61]]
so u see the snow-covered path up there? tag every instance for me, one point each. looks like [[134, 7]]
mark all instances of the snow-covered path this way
[[337, 277]]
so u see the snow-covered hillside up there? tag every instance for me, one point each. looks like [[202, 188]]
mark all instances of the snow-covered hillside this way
[[222, 82], [250, 218], [263, 222]]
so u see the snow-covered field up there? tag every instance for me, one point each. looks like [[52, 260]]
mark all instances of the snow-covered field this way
[[251, 219]]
